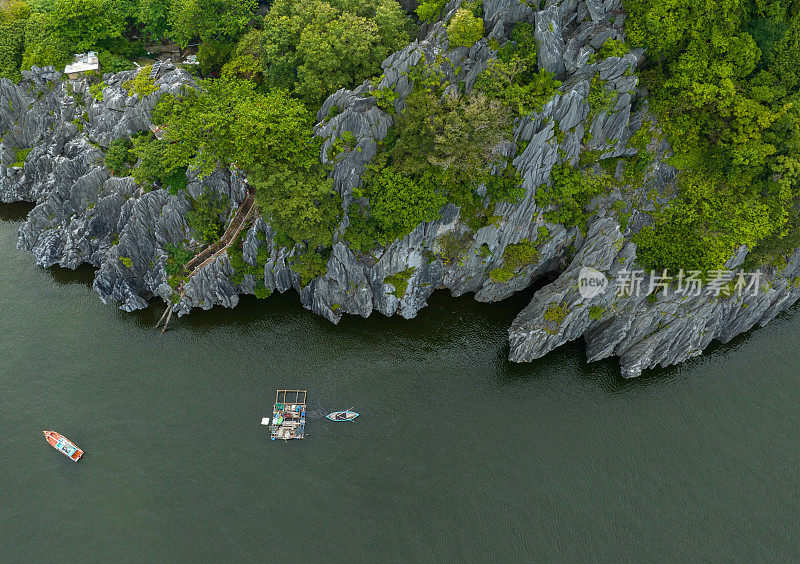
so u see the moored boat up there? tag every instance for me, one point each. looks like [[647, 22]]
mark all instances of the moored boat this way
[[346, 415], [63, 445]]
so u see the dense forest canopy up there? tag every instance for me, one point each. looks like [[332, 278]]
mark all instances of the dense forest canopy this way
[[48, 32], [724, 78], [315, 47]]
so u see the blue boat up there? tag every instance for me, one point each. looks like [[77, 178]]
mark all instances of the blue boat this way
[[346, 415]]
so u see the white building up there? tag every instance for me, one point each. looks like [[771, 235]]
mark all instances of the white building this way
[[84, 62]]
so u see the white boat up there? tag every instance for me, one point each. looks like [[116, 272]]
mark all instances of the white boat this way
[[345, 415]]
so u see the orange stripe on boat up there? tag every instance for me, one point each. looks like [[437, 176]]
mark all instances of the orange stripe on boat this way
[[63, 445]]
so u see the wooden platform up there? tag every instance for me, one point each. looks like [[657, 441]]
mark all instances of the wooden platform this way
[[244, 214], [289, 415]]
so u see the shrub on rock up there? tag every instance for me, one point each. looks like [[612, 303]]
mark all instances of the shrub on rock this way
[[464, 30]]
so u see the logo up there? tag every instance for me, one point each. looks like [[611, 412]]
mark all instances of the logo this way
[[591, 282]]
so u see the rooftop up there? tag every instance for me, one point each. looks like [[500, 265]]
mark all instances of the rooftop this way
[[83, 62]]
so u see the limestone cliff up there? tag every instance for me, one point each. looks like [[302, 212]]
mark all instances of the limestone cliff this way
[[85, 215]]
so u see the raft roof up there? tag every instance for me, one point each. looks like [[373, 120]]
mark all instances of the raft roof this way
[[284, 396]]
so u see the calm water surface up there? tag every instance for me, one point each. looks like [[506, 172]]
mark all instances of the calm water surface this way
[[457, 454]]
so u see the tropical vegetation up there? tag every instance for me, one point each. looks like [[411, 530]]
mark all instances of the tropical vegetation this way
[[723, 82]]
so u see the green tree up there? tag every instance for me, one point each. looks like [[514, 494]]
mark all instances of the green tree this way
[[153, 17], [513, 76], [210, 19], [152, 168], [612, 48], [300, 204], [464, 29], [246, 60], [430, 10], [206, 217], [13, 16], [109, 62], [723, 78], [316, 47], [702, 228], [516, 256], [71, 26], [82, 23], [212, 55], [120, 157], [457, 135], [443, 148], [267, 135], [398, 204], [569, 192]]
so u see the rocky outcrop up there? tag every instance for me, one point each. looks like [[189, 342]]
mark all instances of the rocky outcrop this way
[[83, 214], [482, 251], [643, 332]]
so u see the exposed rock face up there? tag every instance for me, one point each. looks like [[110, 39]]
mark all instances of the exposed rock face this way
[[84, 214], [482, 251], [642, 333]]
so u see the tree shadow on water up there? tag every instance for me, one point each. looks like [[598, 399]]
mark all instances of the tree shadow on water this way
[[84, 275], [445, 321], [248, 313], [17, 211]]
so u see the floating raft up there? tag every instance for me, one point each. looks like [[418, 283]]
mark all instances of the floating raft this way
[[289, 415]]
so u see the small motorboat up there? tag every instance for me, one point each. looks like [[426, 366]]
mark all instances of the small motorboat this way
[[346, 415], [63, 445]]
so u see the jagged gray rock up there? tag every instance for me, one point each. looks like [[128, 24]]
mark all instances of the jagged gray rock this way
[[83, 214], [642, 334]]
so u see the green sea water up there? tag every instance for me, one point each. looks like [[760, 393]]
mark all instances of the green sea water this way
[[458, 454]]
